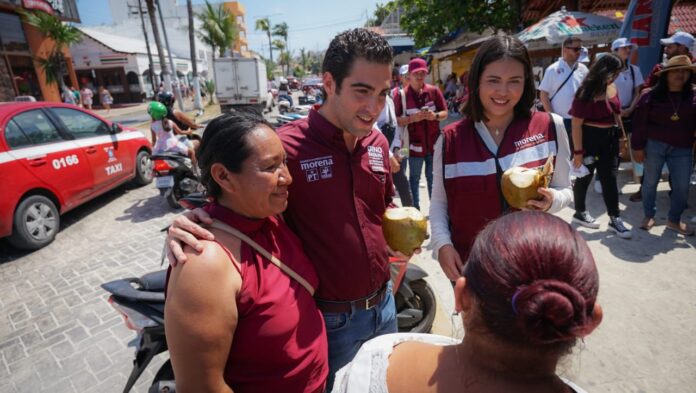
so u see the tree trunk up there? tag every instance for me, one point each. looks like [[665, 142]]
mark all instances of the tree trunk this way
[[192, 44], [151, 66], [270, 44], [158, 42], [177, 90]]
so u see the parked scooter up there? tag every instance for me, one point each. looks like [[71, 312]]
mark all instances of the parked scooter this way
[[141, 303], [174, 176]]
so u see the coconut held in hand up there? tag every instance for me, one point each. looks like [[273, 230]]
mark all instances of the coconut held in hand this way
[[404, 229], [520, 184]]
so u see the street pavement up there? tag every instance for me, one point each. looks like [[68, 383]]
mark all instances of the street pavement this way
[[58, 333]]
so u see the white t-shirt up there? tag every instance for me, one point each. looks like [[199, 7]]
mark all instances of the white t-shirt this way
[[367, 372], [626, 83], [553, 79]]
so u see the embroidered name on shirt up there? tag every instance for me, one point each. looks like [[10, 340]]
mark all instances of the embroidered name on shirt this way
[[529, 139], [376, 156], [319, 168]]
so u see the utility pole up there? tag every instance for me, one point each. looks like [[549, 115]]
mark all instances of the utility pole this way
[[151, 67], [194, 63], [177, 91], [160, 51]]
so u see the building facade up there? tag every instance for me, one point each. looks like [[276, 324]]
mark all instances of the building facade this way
[[22, 45]]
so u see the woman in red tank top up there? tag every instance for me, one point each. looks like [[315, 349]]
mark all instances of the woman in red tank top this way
[[235, 320]]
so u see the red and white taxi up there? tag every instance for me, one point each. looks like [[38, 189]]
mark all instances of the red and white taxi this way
[[54, 157]]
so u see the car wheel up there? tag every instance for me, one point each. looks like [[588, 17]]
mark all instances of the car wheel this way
[[143, 169], [36, 222]]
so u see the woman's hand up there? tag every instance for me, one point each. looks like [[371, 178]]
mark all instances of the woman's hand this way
[[639, 156], [577, 160], [185, 229], [450, 262], [544, 204], [394, 163]]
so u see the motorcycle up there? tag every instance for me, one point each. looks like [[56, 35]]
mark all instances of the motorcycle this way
[[174, 177], [140, 301]]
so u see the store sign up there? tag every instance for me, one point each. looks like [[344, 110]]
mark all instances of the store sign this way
[[48, 6]]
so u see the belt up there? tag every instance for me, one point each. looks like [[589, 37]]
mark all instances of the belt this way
[[362, 304]]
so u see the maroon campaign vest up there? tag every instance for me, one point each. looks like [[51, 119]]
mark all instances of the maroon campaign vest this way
[[423, 134], [472, 173]]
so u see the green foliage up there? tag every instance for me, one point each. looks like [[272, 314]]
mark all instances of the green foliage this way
[[299, 72], [53, 66], [380, 14], [264, 25], [270, 66], [209, 87], [428, 20], [218, 29]]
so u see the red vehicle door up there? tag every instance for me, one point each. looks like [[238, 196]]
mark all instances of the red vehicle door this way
[[109, 158], [49, 156]]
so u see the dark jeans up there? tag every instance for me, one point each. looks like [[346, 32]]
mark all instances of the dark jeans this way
[[602, 147], [414, 176], [569, 130], [402, 186]]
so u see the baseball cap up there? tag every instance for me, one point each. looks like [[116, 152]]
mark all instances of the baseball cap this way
[[622, 43], [403, 70], [417, 65], [681, 38]]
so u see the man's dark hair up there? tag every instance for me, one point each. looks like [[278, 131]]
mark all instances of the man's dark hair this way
[[570, 40], [351, 45], [494, 49], [225, 140]]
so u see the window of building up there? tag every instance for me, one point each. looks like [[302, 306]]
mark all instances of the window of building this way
[[12, 36]]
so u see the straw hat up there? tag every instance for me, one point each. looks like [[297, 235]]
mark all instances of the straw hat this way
[[678, 63]]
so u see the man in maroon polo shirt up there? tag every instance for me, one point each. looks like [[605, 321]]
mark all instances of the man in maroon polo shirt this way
[[425, 108], [341, 187]]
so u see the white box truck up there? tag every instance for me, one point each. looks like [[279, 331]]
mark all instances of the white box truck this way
[[241, 83]]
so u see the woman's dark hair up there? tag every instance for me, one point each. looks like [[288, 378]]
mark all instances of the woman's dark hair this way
[[225, 141], [351, 45], [597, 80], [661, 89], [534, 280], [494, 49]]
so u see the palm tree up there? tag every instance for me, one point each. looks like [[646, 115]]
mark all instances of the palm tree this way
[[194, 65], [281, 30], [280, 45], [54, 65], [166, 77], [264, 24], [218, 29]]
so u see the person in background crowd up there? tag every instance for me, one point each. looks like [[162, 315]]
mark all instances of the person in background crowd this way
[[663, 132], [166, 137], [451, 85], [284, 91], [87, 97], [628, 84], [105, 98], [76, 94], [561, 80], [597, 132], [339, 164], [183, 124], [234, 320], [527, 296], [386, 122], [680, 43], [425, 108], [498, 132], [67, 96]]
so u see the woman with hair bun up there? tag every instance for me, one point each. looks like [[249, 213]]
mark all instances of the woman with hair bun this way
[[528, 292]]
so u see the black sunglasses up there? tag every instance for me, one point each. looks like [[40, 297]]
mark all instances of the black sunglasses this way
[[573, 48]]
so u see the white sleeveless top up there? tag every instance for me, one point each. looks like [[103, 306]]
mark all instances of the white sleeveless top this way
[[367, 373]]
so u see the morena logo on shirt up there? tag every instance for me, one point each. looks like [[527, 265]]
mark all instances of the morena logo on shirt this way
[[529, 139], [319, 168]]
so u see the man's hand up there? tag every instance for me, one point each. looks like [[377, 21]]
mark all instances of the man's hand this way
[[400, 255], [430, 115], [185, 230], [450, 262], [639, 156], [394, 162], [544, 204]]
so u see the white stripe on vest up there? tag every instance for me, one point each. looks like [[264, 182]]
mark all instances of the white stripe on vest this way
[[462, 169], [530, 154]]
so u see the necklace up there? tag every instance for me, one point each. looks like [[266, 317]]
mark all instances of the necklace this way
[[675, 116], [497, 132]]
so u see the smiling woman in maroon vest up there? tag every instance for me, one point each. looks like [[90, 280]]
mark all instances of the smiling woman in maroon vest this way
[[499, 132]]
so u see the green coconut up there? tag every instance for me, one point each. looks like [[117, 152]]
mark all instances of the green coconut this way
[[520, 184], [404, 229]]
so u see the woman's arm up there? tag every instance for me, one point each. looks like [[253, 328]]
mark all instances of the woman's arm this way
[[560, 185], [201, 315], [576, 124]]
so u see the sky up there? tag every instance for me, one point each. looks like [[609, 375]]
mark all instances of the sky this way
[[312, 23]]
